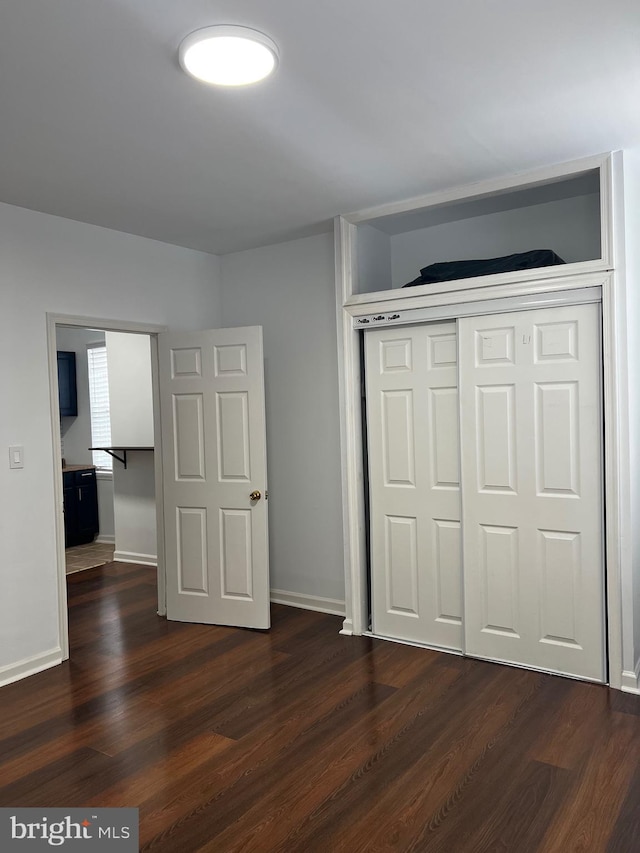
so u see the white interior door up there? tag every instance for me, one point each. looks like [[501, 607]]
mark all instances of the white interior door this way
[[412, 417], [214, 460], [532, 502]]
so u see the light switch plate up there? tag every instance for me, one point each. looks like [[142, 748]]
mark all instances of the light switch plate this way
[[16, 456]]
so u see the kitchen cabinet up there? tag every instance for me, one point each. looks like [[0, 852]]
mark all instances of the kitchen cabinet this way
[[67, 390], [80, 505]]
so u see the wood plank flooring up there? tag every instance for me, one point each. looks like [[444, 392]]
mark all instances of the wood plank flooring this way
[[300, 739]]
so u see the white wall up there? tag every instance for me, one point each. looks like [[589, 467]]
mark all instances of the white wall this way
[[131, 413], [134, 510], [52, 264], [130, 395], [107, 532], [289, 290], [498, 234], [76, 432]]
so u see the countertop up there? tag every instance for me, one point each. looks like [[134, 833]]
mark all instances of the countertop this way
[[85, 467]]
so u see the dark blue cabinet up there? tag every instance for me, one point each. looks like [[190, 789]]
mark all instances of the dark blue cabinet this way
[[67, 390], [80, 506]]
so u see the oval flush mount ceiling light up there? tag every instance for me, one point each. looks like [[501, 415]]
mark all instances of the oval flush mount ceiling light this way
[[228, 55]]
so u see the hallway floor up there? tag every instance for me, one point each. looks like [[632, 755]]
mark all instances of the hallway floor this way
[[88, 556]]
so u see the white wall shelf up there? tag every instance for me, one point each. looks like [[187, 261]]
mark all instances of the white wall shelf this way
[[114, 451], [565, 209]]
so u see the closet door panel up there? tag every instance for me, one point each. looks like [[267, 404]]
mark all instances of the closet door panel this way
[[414, 474], [445, 451], [447, 562], [532, 489], [498, 567], [398, 441], [401, 565], [496, 439]]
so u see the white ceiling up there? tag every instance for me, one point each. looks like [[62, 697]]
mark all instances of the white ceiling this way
[[373, 101]]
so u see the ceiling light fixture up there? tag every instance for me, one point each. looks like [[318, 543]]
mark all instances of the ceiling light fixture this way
[[228, 55]]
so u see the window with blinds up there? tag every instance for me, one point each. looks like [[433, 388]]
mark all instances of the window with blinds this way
[[99, 405]]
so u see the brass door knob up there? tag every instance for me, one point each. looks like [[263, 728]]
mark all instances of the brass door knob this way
[[255, 495]]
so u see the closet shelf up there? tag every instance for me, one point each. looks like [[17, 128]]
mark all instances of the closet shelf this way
[[113, 451]]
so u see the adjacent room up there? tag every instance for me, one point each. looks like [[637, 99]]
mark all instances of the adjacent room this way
[[322, 424], [106, 443]]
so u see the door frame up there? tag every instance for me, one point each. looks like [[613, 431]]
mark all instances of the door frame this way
[[623, 674], [53, 321]]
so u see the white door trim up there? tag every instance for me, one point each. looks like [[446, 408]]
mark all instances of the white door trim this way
[[106, 325], [616, 443]]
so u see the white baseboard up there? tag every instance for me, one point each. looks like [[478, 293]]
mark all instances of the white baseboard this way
[[631, 680], [106, 539], [29, 666], [133, 557], [347, 627], [308, 602]]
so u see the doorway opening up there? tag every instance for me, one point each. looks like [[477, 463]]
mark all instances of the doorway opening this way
[[108, 502], [105, 393]]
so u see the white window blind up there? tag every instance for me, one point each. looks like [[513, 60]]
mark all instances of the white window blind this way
[[99, 405]]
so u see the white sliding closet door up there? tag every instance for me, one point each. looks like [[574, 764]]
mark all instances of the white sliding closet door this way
[[412, 416], [532, 492]]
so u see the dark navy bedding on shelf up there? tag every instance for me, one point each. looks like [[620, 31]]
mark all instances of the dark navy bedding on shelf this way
[[452, 270]]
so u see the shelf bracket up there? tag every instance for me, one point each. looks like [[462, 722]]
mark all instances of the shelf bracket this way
[[120, 450], [122, 458]]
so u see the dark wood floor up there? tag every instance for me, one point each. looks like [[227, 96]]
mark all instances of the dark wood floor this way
[[304, 740]]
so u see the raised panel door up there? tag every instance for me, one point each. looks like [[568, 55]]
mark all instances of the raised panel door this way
[[412, 426], [532, 501], [214, 458]]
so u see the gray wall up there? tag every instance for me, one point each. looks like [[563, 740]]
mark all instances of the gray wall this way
[[52, 264], [570, 227], [374, 260], [289, 290]]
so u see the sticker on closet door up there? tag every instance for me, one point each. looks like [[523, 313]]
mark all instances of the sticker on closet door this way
[[495, 346], [396, 356], [401, 564]]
